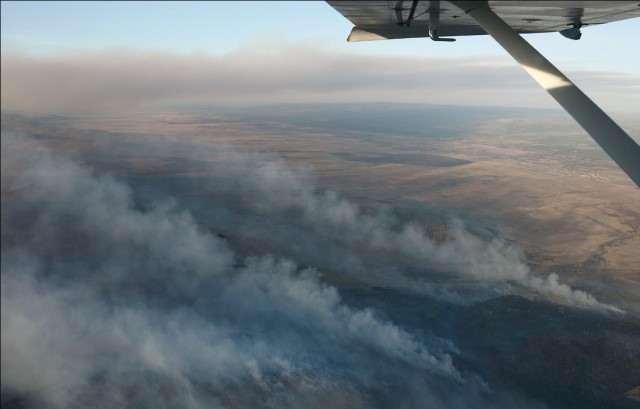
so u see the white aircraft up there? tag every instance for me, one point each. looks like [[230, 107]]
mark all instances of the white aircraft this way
[[504, 20]]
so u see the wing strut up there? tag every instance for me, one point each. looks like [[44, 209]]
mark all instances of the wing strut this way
[[615, 141]]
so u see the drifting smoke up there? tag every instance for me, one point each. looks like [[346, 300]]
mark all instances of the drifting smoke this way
[[123, 79], [277, 193], [106, 301]]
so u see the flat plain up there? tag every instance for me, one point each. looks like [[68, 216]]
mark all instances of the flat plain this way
[[536, 180], [528, 180]]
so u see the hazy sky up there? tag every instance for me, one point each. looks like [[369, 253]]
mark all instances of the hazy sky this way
[[52, 37]]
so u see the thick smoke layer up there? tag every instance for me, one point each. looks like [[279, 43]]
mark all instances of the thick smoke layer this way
[[109, 303], [123, 79]]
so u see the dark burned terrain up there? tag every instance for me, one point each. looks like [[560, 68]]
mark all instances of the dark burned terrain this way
[[564, 356]]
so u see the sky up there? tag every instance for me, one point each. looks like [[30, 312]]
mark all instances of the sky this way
[[52, 36]]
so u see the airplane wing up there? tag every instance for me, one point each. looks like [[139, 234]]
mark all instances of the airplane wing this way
[[504, 21], [380, 20]]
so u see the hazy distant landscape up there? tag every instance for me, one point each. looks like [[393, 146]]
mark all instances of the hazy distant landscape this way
[[317, 255]]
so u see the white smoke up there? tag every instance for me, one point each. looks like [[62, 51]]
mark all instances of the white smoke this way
[[488, 263], [141, 305], [101, 299]]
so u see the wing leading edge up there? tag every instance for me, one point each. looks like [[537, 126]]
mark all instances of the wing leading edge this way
[[504, 20], [393, 19]]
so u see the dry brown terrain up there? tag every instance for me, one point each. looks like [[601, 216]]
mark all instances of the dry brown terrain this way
[[529, 180], [553, 193]]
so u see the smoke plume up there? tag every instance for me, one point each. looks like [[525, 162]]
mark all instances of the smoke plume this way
[[110, 302]]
